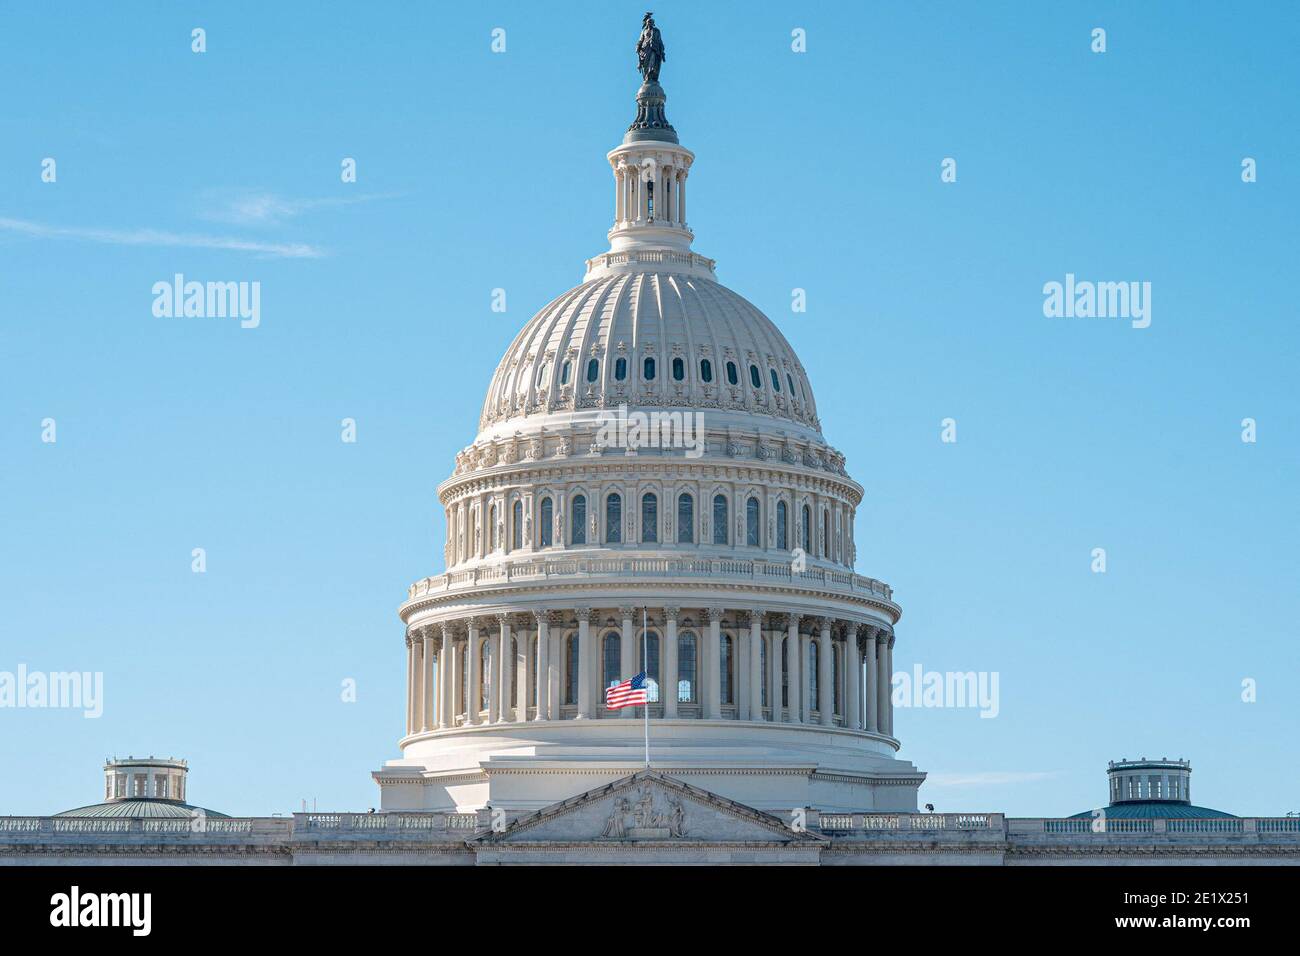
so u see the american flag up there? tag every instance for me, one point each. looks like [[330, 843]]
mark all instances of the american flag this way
[[627, 694]]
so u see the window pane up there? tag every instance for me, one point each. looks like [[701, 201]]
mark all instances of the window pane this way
[[649, 518], [593, 370], [706, 371], [725, 667], [806, 543], [813, 695], [732, 377], [620, 369], [614, 519], [686, 668], [754, 377], [751, 522], [679, 370], [571, 673], [649, 368], [564, 374], [613, 659], [719, 519], [548, 522], [579, 534], [651, 667], [776, 381], [517, 519], [781, 525], [685, 519]]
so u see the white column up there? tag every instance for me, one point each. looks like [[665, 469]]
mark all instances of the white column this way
[[882, 682], [472, 697], [458, 652], [627, 655], [887, 693], [618, 193], [410, 682], [756, 665], [446, 668], [427, 719], [825, 672], [556, 646], [584, 663], [523, 673], [713, 669], [852, 679], [681, 199], [792, 648], [774, 676], [871, 701], [668, 663], [501, 667], [805, 679], [543, 666]]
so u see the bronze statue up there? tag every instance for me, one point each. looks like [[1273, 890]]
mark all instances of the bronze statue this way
[[649, 50]]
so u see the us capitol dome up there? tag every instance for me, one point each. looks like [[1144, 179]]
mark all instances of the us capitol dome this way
[[716, 553]]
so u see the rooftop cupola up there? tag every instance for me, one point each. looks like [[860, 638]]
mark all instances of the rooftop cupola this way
[[1141, 780], [650, 169]]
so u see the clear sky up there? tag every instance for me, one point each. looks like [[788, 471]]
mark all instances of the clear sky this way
[[818, 171]]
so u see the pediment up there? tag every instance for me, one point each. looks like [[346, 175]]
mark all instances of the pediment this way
[[648, 807]]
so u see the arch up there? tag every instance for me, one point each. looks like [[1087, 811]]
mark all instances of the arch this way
[[612, 658], [548, 522], [752, 537], [614, 518], [685, 518], [517, 522], [806, 542], [649, 517], [578, 534], [686, 668], [720, 525], [782, 537]]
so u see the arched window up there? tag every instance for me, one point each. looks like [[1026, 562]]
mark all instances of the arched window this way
[[649, 369], [790, 381], [776, 380], [579, 533], [751, 523], [593, 370], [679, 369], [685, 519], [492, 529], [814, 695], [541, 374], [754, 378], [620, 369], [781, 536], [614, 519], [719, 519], [613, 659], [649, 517], [571, 671], [706, 371], [732, 377], [517, 519], [826, 534], [650, 648], [686, 667], [548, 522], [724, 667], [564, 373], [806, 543]]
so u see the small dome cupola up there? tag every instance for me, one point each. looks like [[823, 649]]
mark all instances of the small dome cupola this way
[[145, 778], [1167, 780], [650, 170]]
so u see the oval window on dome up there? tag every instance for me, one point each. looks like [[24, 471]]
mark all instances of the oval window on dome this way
[[776, 380], [593, 370], [541, 375], [732, 377], [649, 369], [620, 369], [789, 381], [754, 378], [564, 374], [679, 370], [706, 371]]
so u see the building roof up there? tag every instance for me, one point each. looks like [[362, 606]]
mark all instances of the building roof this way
[[141, 808], [1156, 810]]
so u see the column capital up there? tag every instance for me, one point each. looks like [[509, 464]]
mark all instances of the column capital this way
[[503, 619], [670, 613], [555, 618], [590, 615], [627, 611], [712, 614]]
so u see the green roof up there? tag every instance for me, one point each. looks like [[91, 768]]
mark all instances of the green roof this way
[[1157, 810], [141, 808]]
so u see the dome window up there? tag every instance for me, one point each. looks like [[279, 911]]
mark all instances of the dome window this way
[[732, 377], [547, 522], [614, 519], [564, 374], [593, 370], [541, 375], [751, 522], [649, 518], [781, 523], [679, 370], [649, 369], [754, 378], [776, 380], [579, 532], [685, 519], [789, 381], [706, 371], [719, 519], [620, 369]]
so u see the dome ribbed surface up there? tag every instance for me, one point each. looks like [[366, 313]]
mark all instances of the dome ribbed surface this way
[[661, 316], [1157, 810], [140, 809]]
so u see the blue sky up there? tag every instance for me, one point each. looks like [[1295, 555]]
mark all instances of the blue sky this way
[[818, 171]]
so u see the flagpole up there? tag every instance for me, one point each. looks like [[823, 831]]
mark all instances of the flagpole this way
[[645, 657]]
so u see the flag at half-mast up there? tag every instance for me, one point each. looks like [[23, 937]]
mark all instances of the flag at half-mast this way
[[630, 693]]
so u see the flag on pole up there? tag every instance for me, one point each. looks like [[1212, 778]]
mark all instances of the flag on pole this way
[[630, 693]]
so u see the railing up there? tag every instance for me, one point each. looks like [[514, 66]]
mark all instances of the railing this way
[[907, 822], [195, 824], [371, 822], [548, 568]]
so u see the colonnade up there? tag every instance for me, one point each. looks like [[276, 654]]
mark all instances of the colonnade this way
[[709, 663]]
